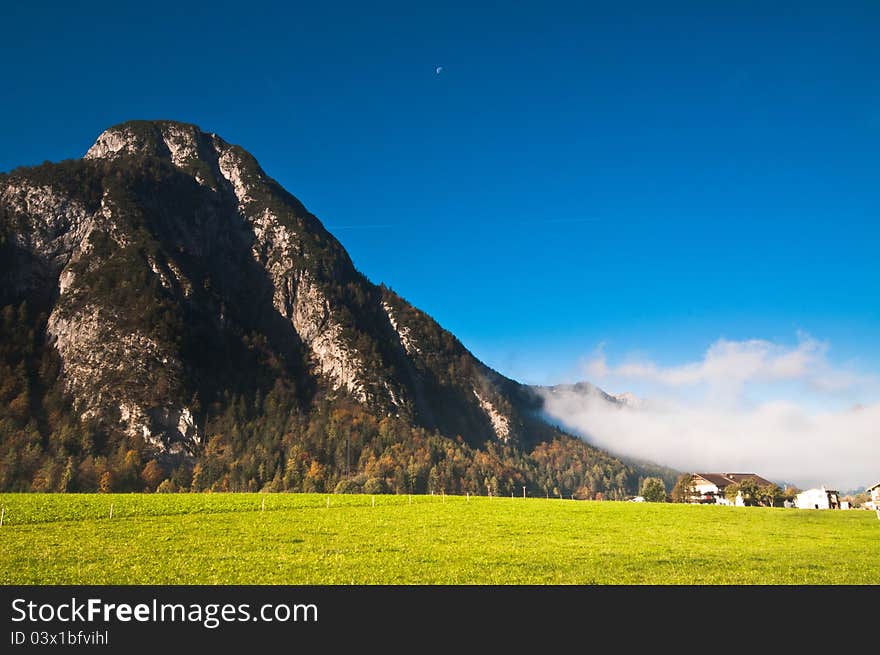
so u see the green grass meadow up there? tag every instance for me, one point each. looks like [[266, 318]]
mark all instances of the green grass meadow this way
[[298, 539]]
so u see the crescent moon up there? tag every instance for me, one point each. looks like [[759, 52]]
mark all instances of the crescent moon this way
[[438, 70]]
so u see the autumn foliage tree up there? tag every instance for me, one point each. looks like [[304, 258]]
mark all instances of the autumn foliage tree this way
[[106, 483], [152, 475], [683, 491]]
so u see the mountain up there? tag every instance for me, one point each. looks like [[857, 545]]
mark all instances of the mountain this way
[[585, 389], [172, 316]]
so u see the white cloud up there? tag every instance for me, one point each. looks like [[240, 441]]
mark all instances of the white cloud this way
[[783, 412], [729, 364]]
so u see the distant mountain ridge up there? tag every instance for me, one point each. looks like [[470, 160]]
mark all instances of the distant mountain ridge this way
[[164, 297]]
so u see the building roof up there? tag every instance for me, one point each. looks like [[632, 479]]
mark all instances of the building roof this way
[[739, 477], [722, 480], [718, 479], [873, 486]]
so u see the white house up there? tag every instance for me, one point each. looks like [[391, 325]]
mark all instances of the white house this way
[[821, 498], [874, 492], [708, 488]]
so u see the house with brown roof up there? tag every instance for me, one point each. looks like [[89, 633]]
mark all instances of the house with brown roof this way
[[709, 488]]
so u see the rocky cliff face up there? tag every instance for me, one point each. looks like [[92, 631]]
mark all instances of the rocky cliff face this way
[[171, 267]]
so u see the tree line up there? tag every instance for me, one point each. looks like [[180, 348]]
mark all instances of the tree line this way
[[260, 441]]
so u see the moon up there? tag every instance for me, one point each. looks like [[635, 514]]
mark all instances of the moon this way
[[438, 70]]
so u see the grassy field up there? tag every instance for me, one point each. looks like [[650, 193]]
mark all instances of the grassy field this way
[[298, 539]]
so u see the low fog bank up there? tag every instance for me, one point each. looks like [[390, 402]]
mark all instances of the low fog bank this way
[[707, 416]]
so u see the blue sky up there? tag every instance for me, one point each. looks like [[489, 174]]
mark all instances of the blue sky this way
[[647, 178]]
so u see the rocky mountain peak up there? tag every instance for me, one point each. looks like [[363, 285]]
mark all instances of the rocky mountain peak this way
[[207, 157], [171, 140]]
